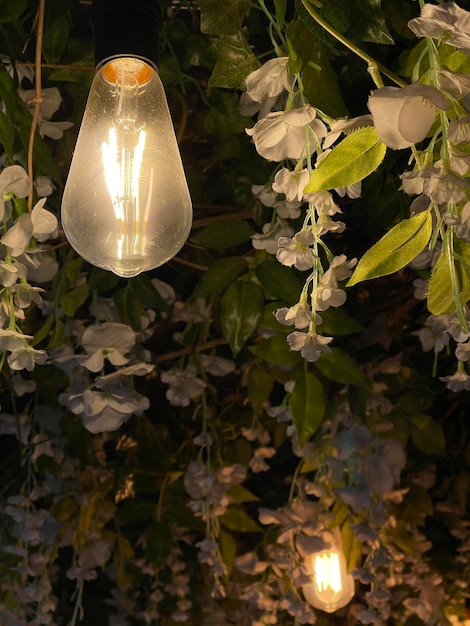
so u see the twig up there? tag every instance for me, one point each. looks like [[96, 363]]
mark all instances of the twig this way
[[373, 66], [171, 356], [37, 96]]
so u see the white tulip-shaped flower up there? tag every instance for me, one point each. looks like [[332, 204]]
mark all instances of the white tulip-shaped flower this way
[[269, 81], [447, 20], [40, 223], [297, 251], [13, 181], [403, 116], [287, 134], [291, 184], [310, 345]]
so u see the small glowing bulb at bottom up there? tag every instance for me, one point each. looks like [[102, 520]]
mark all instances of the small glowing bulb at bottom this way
[[331, 587]]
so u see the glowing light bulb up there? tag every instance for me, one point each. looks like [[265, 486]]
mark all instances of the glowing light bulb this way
[[126, 205], [331, 586]]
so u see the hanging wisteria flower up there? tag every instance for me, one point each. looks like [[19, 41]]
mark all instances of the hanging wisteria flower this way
[[447, 20], [288, 134], [26, 357], [310, 345], [107, 341], [40, 223], [14, 181], [291, 183], [269, 81], [184, 385], [403, 116], [436, 182], [297, 251], [299, 315], [268, 239]]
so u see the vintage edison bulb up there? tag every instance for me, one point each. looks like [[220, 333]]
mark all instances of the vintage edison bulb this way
[[331, 587], [126, 205]]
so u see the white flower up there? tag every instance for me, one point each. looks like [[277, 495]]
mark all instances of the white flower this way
[[165, 290], [217, 365], [137, 369], [462, 352], [268, 240], [26, 357], [10, 272], [110, 341], [44, 185], [269, 81], [184, 385], [298, 315], [13, 181], [257, 462], [310, 345], [104, 411], [323, 203], [403, 115], [12, 340], [460, 381], [50, 103], [447, 20], [439, 184], [345, 126], [40, 223], [297, 251], [291, 183], [287, 134]]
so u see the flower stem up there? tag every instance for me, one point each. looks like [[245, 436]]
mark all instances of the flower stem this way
[[374, 67]]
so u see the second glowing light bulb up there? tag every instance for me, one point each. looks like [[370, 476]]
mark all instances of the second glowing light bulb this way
[[126, 205]]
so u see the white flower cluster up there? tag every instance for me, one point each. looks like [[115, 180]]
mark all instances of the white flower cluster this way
[[293, 134]]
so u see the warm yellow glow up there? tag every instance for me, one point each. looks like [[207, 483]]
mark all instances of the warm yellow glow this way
[[328, 573], [331, 587]]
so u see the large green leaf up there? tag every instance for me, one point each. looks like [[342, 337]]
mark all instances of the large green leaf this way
[[260, 384], [222, 18], [340, 367], [70, 302], [279, 281], [308, 405], [352, 160], [427, 434], [276, 350], [241, 311], [237, 519], [223, 234], [6, 138], [440, 294], [235, 60], [308, 54], [220, 275], [397, 248]]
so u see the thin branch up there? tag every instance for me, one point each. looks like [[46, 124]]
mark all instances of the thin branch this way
[[37, 96], [373, 66], [171, 356]]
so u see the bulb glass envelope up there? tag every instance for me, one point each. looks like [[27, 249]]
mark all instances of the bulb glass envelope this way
[[331, 587], [126, 205]]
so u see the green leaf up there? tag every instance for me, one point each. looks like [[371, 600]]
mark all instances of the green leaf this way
[[427, 434], [70, 302], [276, 350], [237, 519], [222, 18], [224, 119], [223, 234], [307, 54], [101, 280], [340, 367], [440, 294], [228, 550], [6, 138], [159, 542], [352, 160], [369, 23], [8, 93], [239, 494], [241, 311], [9, 11], [219, 276], [352, 547], [55, 39], [235, 60], [338, 322], [308, 405], [397, 248], [279, 281], [280, 8], [128, 307], [146, 294], [260, 384]]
